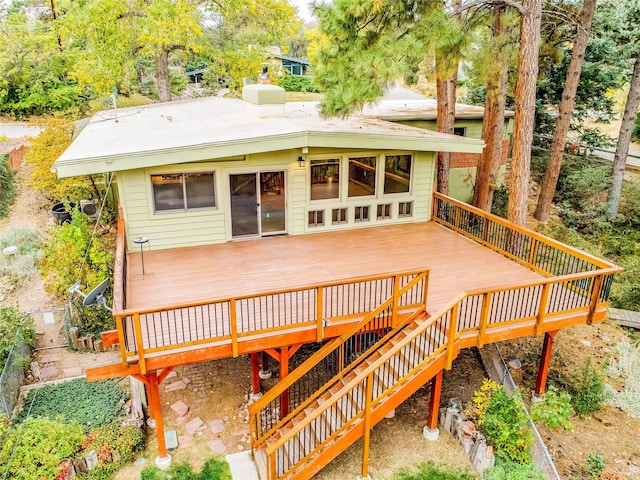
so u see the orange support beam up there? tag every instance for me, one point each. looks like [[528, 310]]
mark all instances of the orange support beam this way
[[255, 378], [434, 402], [155, 410], [284, 371], [543, 369]]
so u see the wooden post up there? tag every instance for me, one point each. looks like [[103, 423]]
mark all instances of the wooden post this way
[[396, 300], [234, 327], [543, 370], [434, 402], [155, 411], [284, 371], [265, 362], [367, 425], [319, 315], [255, 370]]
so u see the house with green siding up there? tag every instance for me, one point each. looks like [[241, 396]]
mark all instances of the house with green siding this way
[[213, 170]]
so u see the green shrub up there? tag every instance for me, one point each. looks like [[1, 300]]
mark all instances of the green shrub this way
[[554, 410], [587, 388], [112, 441], [514, 471], [500, 201], [78, 401], [505, 424], [7, 186], [66, 260], [213, 469], [431, 471], [40, 445], [594, 464], [295, 83], [15, 327]]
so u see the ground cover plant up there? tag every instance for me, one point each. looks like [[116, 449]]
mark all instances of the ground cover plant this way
[[213, 469], [17, 269], [431, 471], [89, 404], [7, 186], [15, 326]]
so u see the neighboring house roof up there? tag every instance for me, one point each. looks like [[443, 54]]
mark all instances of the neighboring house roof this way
[[292, 59], [423, 109], [214, 127]]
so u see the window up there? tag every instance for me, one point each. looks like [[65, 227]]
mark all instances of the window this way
[[384, 211], [405, 209], [325, 179], [462, 131], [362, 176], [183, 191], [316, 218], [338, 215], [397, 173], [361, 214]]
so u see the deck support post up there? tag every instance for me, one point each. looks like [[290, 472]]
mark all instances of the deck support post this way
[[543, 369], [434, 407], [163, 460], [264, 371], [255, 376], [284, 371]]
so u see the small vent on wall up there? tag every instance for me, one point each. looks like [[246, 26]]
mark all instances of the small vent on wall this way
[[89, 208]]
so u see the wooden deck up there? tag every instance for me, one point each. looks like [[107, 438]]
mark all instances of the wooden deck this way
[[200, 274]]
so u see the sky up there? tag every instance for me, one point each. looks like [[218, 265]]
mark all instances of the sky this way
[[304, 9]]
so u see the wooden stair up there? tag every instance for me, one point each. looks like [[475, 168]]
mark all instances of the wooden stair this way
[[334, 418]]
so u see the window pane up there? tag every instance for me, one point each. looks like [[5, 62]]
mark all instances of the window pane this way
[[325, 179], [167, 192], [397, 173], [362, 176], [200, 190]]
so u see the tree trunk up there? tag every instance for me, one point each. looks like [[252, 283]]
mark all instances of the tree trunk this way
[[624, 138], [525, 110], [564, 115], [442, 121], [163, 85], [493, 121]]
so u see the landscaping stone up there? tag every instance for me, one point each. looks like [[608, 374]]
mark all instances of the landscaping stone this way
[[217, 446], [97, 346], [216, 426], [172, 387], [195, 425], [172, 374], [72, 372], [184, 418], [185, 441], [80, 466], [140, 462], [73, 336], [180, 408], [92, 459], [186, 380], [35, 369], [49, 358], [48, 373], [89, 341], [171, 439]]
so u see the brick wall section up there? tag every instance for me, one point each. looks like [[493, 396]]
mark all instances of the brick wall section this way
[[16, 149], [463, 160]]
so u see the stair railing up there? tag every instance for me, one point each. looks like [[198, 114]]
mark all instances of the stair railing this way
[[358, 342]]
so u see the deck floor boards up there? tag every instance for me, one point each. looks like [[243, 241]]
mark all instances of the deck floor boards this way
[[194, 274]]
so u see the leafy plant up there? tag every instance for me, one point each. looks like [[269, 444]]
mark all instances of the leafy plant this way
[[69, 257], [594, 464], [295, 83], [481, 400], [514, 471], [15, 326], [78, 401], [587, 389], [431, 471], [213, 469], [554, 410], [115, 446], [7, 186], [505, 426], [36, 448]]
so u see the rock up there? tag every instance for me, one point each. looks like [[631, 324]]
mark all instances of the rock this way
[[194, 425], [91, 459], [180, 408], [217, 446], [185, 441], [73, 336], [35, 369], [216, 426], [172, 387], [80, 465]]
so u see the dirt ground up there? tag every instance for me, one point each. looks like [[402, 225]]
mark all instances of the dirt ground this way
[[216, 392]]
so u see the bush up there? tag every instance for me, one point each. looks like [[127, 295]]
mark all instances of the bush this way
[[431, 471], [554, 410], [514, 471], [66, 261], [7, 186], [505, 424], [112, 441], [587, 388], [78, 401], [213, 469], [500, 201], [15, 327], [40, 445], [295, 83]]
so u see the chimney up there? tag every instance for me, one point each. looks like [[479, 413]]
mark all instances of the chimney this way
[[266, 100]]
